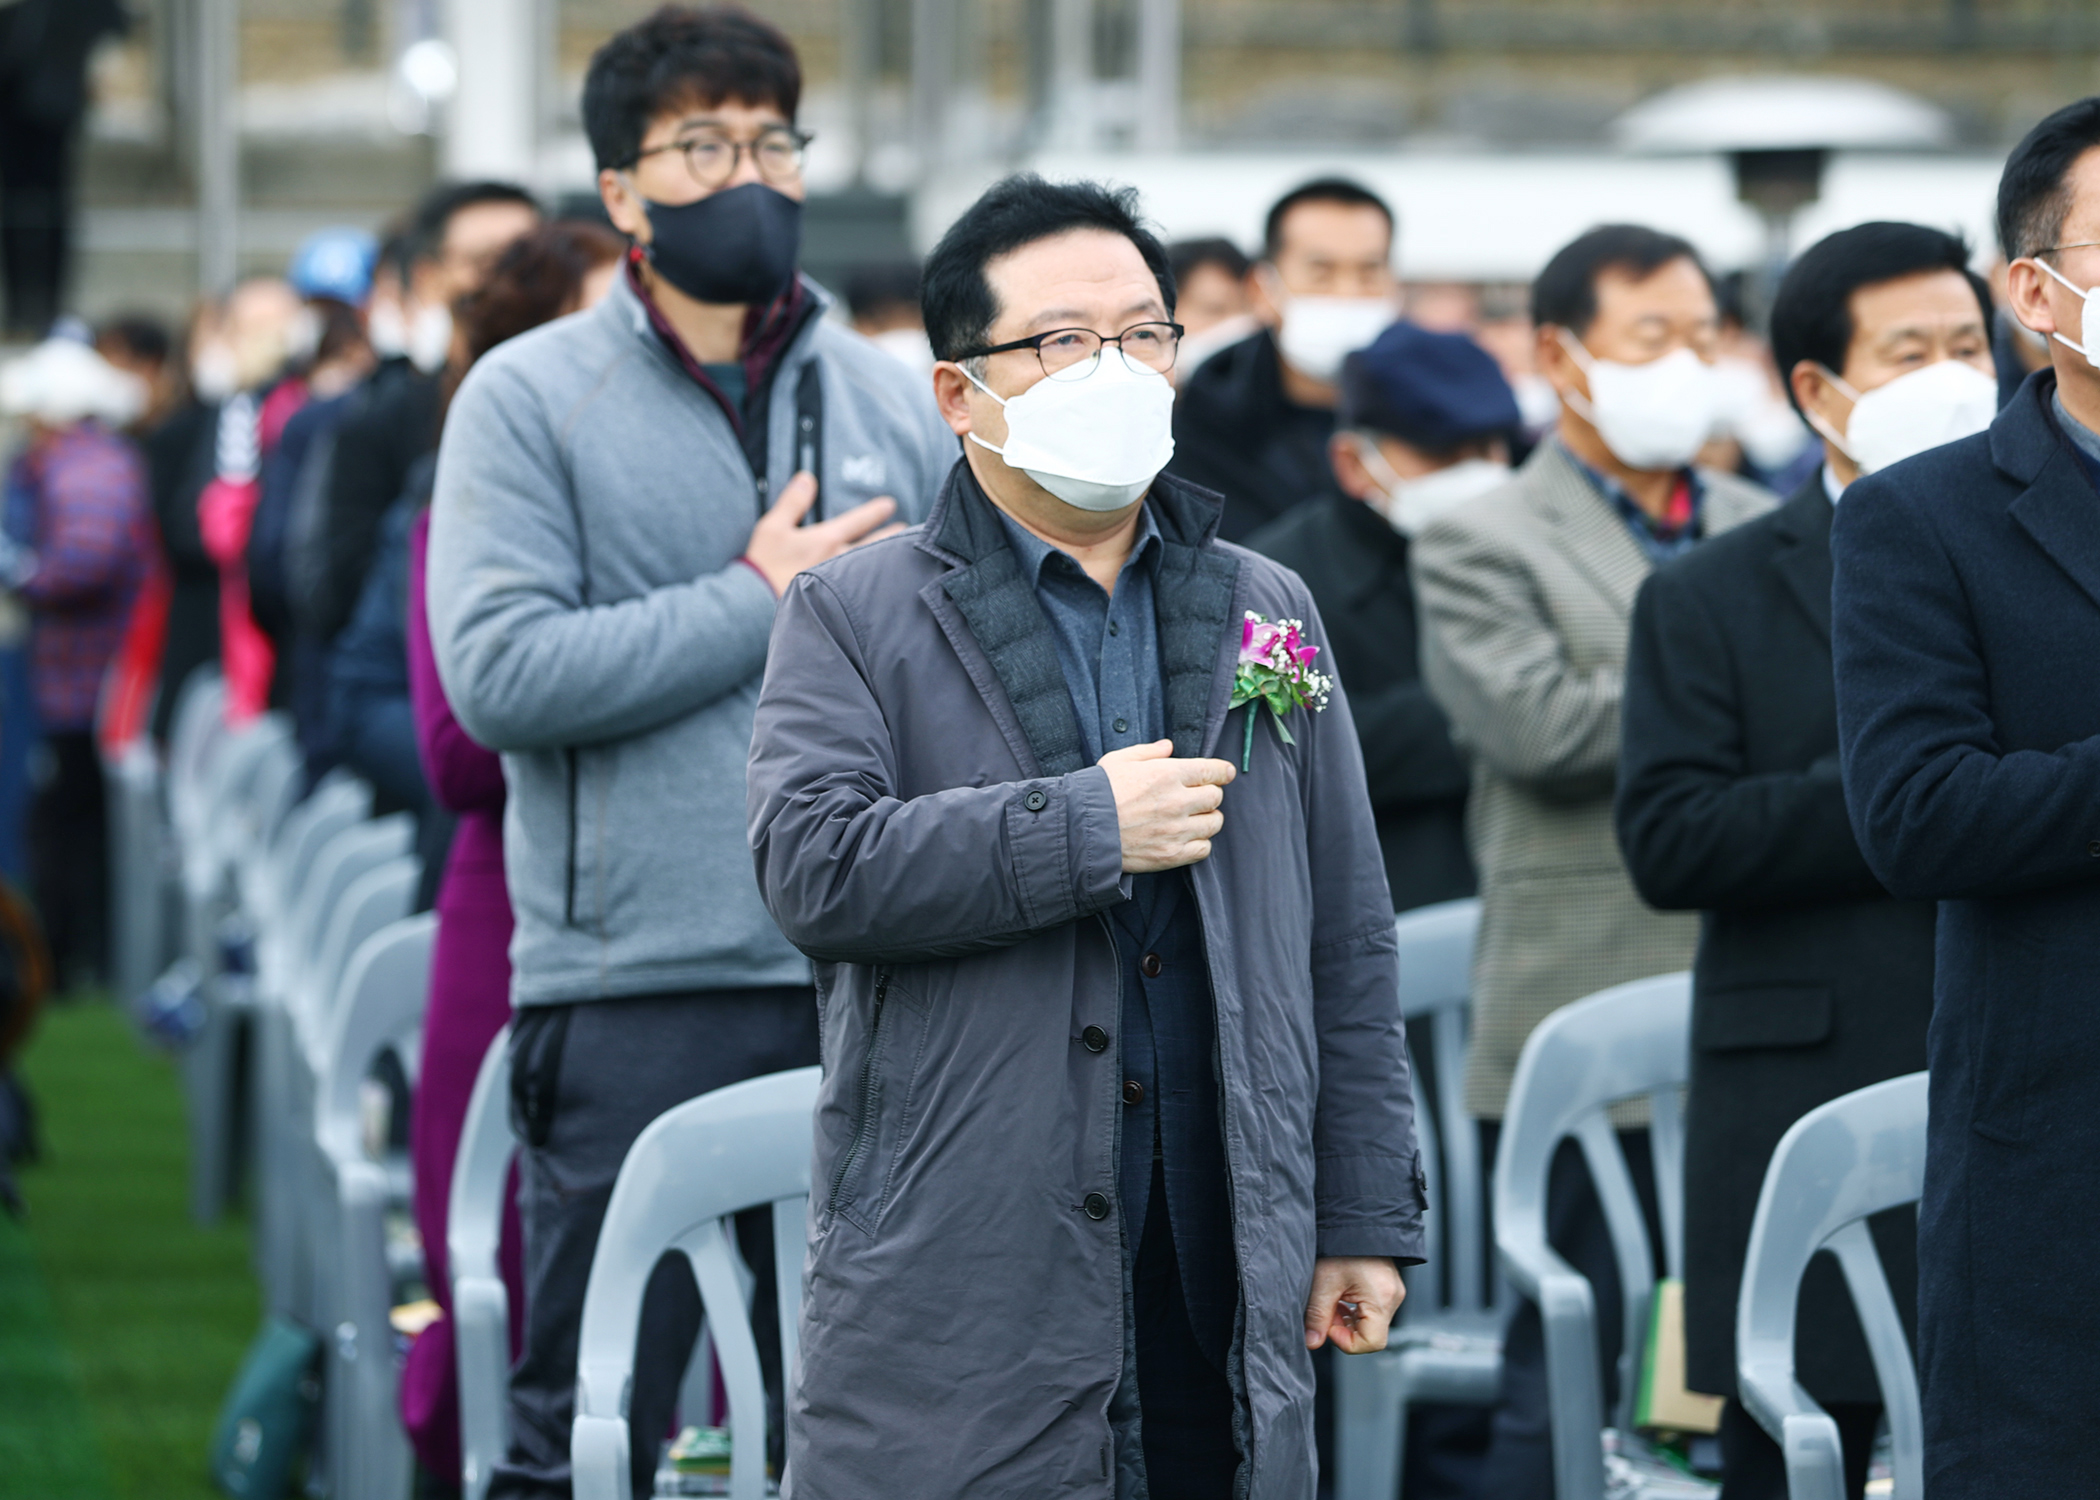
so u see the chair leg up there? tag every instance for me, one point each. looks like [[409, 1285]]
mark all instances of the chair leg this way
[[1370, 1426]]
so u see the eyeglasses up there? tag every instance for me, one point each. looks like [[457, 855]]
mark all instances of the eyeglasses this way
[[2081, 245], [712, 159], [1072, 353]]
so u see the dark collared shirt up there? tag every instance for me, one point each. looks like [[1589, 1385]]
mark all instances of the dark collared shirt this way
[[1661, 540], [1107, 645]]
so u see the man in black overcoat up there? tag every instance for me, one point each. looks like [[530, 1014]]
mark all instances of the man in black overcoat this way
[[1423, 425], [1966, 633], [1811, 981]]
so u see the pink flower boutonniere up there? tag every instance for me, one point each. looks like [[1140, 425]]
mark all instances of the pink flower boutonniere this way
[[1275, 668]]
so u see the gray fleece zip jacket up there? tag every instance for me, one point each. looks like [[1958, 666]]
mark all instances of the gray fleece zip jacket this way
[[592, 623]]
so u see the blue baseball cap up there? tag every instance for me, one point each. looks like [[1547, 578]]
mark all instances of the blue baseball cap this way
[[335, 263], [1434, 391]]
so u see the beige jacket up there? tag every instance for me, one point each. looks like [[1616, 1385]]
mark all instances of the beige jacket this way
[[1526, 596]]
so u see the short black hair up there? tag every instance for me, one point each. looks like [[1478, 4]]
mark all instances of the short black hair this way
[[1188, 256], [956, 298], [2032, 198], [1565, 294], [1320, 190], [142, 335], [434, 211], [880, 286], [684, 55], [1812, 314]]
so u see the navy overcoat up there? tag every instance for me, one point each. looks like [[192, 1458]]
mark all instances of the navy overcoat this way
[[1966, 633]]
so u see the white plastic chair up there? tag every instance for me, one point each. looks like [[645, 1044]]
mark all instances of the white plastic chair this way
[[480, 1301], [1448, 1346], [383, 991], [1631, 1040], [1840, 1163], [686, 1174], [138, 869], [195, 734]]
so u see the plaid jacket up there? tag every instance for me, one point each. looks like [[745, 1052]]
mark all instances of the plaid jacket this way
[[90, 528]]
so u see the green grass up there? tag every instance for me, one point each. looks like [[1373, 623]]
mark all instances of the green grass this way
[[133, 1315]]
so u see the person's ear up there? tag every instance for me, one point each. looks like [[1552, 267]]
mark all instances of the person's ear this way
[[623, 205], [951, 393], [1261, 299], [1550, 356], [2027, 290], [1350, 471], [1817, 393]]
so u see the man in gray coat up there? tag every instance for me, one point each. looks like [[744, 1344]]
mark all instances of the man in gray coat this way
[[1116, 1119], [619, 501]]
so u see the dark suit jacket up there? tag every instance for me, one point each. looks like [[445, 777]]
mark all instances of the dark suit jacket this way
[[1356, 566], [1810, 980], [1237, 434], [1967, 638]]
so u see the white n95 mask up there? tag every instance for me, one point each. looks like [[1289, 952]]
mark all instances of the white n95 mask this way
[[1410, 504], [1651, 416], [2088, 322], [1942, 403], [1318, 333], [1097, 442]]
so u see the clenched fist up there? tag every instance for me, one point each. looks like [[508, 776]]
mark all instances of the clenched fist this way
[[1167, 806]]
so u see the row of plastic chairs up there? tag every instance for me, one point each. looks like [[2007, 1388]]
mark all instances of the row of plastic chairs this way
[[1838, 1166]]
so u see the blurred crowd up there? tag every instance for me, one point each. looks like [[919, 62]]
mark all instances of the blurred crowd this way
[[1473, 482]]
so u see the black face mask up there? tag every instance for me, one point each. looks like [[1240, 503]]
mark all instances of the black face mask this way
[[737, 245]]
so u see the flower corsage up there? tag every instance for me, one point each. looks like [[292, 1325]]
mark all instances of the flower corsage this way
[[1275, 668]]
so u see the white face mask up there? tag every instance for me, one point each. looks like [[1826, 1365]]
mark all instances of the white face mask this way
[[2087, 319], [214, 373], [1097, 442], [430, 339], [1942, 403], [908, 346], [1410, 504], [1318, 333], [387, 329], [1652, 416], [1197, 347]]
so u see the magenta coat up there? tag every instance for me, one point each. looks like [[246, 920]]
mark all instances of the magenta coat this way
[[469, 1004]]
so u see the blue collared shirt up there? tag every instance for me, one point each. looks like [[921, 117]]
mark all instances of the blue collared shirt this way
[[1108, 645], [1659, 542]]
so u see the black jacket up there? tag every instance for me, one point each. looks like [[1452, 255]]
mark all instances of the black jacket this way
[[392, 422], [1967, 620], [1810, 981], [181, 456], [1356, 566], [1236, 433]]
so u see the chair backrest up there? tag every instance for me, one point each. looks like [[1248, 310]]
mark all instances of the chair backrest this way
[[337, 801], [379, 1005], [480, 1301], [1838, 1164], [138, 906], [196, 732], [213, 842], [1624, 1042], [381, 896], [349, 854], [736, 1148], [1435, 946]]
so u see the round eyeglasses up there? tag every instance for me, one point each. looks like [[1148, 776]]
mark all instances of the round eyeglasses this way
[[1072, 353], [712, 159]]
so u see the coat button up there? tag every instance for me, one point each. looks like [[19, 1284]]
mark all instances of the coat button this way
[[1133, 1091], [1095, 1038], [1036, 800], [2092, 850], [1096, 1206], [1149, 966], [1122, 726]]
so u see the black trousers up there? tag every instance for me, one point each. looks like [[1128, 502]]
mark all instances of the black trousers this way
[[1519, 1463], [1184, 1400], [585, 1080], [36, 211], [69, 859], [1753, 1467]]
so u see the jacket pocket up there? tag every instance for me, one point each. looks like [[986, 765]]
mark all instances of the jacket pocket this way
[[536, 1041], [883, 1101], [1740, 1018]]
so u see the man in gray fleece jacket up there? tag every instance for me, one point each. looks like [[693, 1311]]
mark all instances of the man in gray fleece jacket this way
[[621, 496]]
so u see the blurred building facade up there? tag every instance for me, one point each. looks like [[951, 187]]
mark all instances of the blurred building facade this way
[[341, 106]]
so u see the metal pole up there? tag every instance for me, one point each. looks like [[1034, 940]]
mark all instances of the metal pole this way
[[1159, 75], [860, 39], [1072, 73], [218, 55], [932, 79], [493, 127]]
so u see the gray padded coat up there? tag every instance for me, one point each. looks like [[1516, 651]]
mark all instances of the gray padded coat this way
[[926, 831]]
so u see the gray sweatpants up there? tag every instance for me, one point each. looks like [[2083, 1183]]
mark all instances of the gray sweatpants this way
[[585, 1080]]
